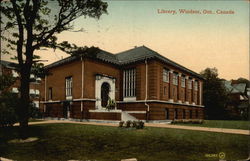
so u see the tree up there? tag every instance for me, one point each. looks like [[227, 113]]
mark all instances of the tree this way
[[215, 94], [34, 24]]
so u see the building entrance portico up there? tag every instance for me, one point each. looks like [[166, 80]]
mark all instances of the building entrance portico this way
[[104, 89]]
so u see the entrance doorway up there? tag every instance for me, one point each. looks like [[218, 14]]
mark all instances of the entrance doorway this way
[[66, 110], [104, 89], [105, 94]]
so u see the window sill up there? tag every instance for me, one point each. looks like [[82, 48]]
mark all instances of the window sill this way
[[69, 97], [129, 98]]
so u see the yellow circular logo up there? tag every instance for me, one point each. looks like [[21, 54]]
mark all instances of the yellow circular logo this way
[[222, 155]]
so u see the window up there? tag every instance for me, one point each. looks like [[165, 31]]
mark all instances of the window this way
[[190, 84], [167, 113], [196, 85], [175, 79], [38, 79], [32, 92], [184, 113], [190, 114], [129, 83], [165, 75], [183, 82], [14, 90], [165, 90], [50, 93], [36, 104], [68, 85], [196, 114], [37, 92], [32, 76], [14, 74], [176, 113]]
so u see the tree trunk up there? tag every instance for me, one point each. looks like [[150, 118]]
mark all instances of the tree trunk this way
[[24, 102]]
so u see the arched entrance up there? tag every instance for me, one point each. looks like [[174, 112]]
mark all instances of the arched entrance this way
[[105, 89]]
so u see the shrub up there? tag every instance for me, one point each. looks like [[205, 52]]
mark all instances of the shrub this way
[[128, 123], [111, 104], [8, 109], [121, 123], [140, 125], [134, 124]]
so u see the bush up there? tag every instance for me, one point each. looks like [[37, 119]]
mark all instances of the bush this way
[[111, 104], [8, 109], [133, 124], [128, 123], [121, 123], [140, 125]]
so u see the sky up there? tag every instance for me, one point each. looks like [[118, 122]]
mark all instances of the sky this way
[[196, 41]]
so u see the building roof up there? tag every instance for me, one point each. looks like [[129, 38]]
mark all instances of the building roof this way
[[235, 88], [8, 64], [128, 57], [239, 88], [143, 52], [101, 55], [228, 85]]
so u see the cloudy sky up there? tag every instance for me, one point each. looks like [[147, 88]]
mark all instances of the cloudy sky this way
[[195, 40]]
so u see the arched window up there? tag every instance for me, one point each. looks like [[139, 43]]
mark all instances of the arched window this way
[[105, 88]]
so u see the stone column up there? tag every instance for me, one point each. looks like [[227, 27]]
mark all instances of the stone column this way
[[201, 93], [198, 93], [193, 91], [186, 89], [179, 88], [171, 97]]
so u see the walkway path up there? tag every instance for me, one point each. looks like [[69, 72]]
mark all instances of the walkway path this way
[[161, 125]]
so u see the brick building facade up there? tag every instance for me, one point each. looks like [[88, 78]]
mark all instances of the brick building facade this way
[[10, 68], [144, 84]]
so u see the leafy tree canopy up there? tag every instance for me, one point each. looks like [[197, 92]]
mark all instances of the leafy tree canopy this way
[[29, 25], [214, 94]]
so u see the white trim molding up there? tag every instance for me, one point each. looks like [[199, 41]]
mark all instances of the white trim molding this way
[[51, 101], [135, 111], [160, 101], [105, 110], [84, 99], [127, 99]]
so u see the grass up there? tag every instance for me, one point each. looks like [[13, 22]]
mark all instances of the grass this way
[[101, 143], [229, 124]]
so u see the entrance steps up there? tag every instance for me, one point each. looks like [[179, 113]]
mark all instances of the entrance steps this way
[[126, 116]]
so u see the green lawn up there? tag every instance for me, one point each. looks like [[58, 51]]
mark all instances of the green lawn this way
[[223, 124], [101, 143]]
